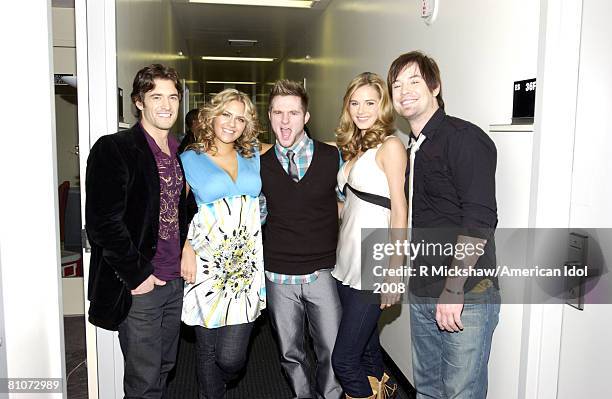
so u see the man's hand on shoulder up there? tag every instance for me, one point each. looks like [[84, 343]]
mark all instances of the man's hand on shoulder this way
[[148, 285]]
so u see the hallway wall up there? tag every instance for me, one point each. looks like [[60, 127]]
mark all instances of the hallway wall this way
[[147, 33], [482, 47], [64, 62]]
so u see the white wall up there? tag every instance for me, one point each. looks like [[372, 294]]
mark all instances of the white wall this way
[[481, 46], [146, 33], [64, 54], [67, 137], [585, 342], [64, 62], [29, 253]]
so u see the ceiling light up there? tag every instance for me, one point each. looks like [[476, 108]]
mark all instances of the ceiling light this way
[[212, 58], [223, 82], [265, 3], [242, 42]]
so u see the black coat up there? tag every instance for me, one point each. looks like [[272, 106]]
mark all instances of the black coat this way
[[122, 222]]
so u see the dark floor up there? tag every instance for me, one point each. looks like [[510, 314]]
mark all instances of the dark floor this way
[[262, 378], [76, 368]]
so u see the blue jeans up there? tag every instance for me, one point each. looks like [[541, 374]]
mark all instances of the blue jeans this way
[[453, 365], [357, 353], [221, 355]]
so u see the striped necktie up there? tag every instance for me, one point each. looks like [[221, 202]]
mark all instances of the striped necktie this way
[[293, 171]]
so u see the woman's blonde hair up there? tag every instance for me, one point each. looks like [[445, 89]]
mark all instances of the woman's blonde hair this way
[[204, 132], [348, 136]]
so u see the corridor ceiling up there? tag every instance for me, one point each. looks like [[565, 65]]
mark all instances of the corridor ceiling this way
[[208, 27]]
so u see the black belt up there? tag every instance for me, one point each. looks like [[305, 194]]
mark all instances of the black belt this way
[[368, 197]]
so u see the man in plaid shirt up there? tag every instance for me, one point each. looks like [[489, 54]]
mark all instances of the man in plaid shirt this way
[[299, 204]]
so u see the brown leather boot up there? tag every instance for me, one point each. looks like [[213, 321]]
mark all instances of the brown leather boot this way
[[386, 391], [381, 388], [375, 385]]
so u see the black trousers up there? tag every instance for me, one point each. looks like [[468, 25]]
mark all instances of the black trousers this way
[[149, 339]]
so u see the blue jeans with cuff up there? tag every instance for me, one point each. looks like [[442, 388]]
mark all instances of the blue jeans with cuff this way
[[453, 365]]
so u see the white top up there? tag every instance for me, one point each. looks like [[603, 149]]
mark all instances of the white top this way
[[366, 176]]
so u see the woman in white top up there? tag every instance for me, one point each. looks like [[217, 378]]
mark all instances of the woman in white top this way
[[372, 179]]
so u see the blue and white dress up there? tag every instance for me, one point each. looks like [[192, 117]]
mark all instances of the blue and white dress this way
[[226, 235]]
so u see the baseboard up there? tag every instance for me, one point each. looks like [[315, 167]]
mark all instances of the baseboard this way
[[399, 377]]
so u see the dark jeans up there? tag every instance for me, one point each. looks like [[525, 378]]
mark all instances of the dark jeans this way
[[221, 355], [149, 340], [357, 353]]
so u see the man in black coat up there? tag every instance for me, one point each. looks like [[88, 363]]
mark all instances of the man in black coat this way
[[136, 224]]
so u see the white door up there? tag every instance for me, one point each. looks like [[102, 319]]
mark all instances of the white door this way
[[584, 369], [97, 105]]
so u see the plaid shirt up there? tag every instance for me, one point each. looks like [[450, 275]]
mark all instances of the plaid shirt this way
[[303, 151]]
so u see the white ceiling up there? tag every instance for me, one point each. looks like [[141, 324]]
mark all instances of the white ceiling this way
[[207, 28]]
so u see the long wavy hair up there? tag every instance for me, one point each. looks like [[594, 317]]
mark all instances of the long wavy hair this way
[[204, 132], [349, 138]]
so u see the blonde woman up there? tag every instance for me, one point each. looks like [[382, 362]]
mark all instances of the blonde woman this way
[[222, 261], [372, 178]]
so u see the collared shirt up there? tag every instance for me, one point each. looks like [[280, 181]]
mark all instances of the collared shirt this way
[[303, 150], [166, 261], [454, 175], [453, 180]]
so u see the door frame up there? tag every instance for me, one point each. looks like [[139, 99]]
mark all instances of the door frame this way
[[95, 24]]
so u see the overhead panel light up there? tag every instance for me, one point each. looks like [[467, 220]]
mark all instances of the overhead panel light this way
[[242, 42], [253, 59], [264, 3], [223, 82]]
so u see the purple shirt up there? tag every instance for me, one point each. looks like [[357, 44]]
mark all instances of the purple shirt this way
[[167, 259]]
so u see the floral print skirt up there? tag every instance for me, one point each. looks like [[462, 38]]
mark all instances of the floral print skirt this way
[[230, 284]]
